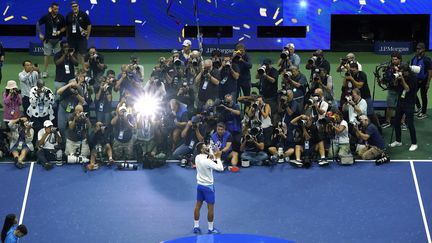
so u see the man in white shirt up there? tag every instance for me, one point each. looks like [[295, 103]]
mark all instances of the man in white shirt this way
[[206, 161], [355, 106], [48, 140], [28, 78]]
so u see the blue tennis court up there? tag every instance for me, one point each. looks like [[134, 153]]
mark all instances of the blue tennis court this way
[[359, 203]]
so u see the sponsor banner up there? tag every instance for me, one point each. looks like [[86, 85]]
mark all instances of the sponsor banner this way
[[386, 48]]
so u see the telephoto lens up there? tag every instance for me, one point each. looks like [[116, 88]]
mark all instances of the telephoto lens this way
[[127, 166]]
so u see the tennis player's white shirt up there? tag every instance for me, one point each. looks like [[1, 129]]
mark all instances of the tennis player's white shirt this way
[[205, 167]]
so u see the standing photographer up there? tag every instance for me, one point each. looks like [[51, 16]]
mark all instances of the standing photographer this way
[[288, 58], [128, 81], [230, 115], [268, 85], [406, 106], [70, 96], [317, 61], [20, 140], [192, 134], [345, 62], [297, 82], [65, 62], [49, 139], [355, 105], [208, 82], [78, 30], [41, 102], [230, 73], [76, 134], [324, 81], [28, 78], [316, 105], [94, 64], [423, 78], [12, 102], [261, 112], [393, 87], [134, 60], [103, 98], [243, 60]]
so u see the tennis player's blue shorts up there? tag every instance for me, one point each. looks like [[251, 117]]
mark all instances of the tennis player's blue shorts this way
[[206, 193]]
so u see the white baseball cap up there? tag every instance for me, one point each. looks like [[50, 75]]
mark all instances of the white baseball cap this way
[[290, 45], [187, 43], [48, 123]]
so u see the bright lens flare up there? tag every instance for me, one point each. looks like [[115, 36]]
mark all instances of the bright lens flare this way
[[147, 106]]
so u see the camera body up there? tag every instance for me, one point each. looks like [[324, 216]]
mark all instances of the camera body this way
[[262, 70], [312, 100], [312, 60], [127, 166], [284, 54]]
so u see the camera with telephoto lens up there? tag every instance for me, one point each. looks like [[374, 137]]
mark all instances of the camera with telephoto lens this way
[[312, 60], [316, 74], [282, 91], [262, 70], [285, 54], [99, 152], [237, 55], [343, 61], [287, 74], [53, 129], [348, 98], [348, 73], [127, 166], [302, 122], [177, 62], [194, 62], [216, 63], [73, 159], [312, 100], [227, 64]]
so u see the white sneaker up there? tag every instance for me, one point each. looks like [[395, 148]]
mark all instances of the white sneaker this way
[[395, 144], [413, 147]]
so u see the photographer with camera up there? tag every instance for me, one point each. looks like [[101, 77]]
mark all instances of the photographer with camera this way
[[307, 138], [288, 58], [94, 64], [49, 139], [345, 62], [216, 57], [177, 120], [230, 73], [78, 30], [65, 61], [155, 86], [186, 51], [316, 105], [423, 78], [230, 115], [12, 102], [128, 81], [70, 96], [55, 27], [134, 60], [355, 105], [324, 81], [77, 134], [124, 125], [186, 95], [192, 134], [268, 85], [103, 98], [208, 82], [100, 144], [244, 62], [282, 145], [252, 146], [337, 130], [28, 78], [223, 141], [20, 140], [317, 61], [261, 112], [41, 102], [296, 81], [406, 106], [374, 145]]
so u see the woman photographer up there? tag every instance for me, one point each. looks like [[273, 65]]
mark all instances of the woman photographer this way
[[20, 140], [12, 101]]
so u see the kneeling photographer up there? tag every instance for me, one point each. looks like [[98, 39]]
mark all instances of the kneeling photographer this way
[[307, 139], [192, 134], [123, 124], [77, 148], [20, 140], [100, 139], [374, 143], [282, 145], [252, 146], [337, 130], [49, 139]]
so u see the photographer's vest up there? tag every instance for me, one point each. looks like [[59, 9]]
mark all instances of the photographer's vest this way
[[221, 142], [423, 74]]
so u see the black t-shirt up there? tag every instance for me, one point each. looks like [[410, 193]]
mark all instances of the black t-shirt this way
[[100, 137], [208, 90], [61, 72], [251, 147], [410, 96], [364, 91], [103, 104], [245, 66], [2, 53], [52, 23], [79, 132], [227, 83], [74, 23], [122, 132], [94, 70], [320, 64], [269, 89]]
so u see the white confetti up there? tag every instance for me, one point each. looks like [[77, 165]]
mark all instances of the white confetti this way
[[263, 12], [8, 18], [247, 36], [362, 2], [93, 1], [236, 28], [246, 26], [145, 21], [137, 21], [382, 1], [278, 22], [133, 1], [6, 9], [276, 13], [114, 1], [403, 1], [87, 12], [118, 47], [92, 7], [241, 38]]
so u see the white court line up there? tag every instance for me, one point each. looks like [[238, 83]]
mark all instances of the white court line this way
[[419, 197], [26, 193]]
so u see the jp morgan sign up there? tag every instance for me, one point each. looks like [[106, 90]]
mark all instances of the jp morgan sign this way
[[224, 49], [36, 49], [386, 48]]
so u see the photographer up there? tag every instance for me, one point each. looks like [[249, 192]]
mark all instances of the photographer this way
[[244, 62], [223, 141], [134, 60], [65, 62], [282, 145], [369, 133], [179, 120], [155, 86], [103, 98], [307, 137], [186, 95], [192, 134], [288, 58], [186, 51], [146, 140], [208, 82], [94, 64], [355, 105], [337, 130], [230, 73], [70, 96], [49, 139], [77, 133], [28, 78], [288, 107], [20, 140], [41, 102], [317, 61], [230, 115], [324, 81], [55, 27], [316, 105], [252, 146], [345, 62], [268, 85], [406, 106], [12, 102], [423, 78], [296, 81], [100, 140], [123, 124], [393, 86], [128, 80], [216, 57], [78, 30], [261, 112], [193, 67]]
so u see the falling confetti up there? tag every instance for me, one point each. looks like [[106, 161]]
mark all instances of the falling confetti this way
[[6, 9], [278, 22], [137, 21], [133, 1], [294, 21], [241, 38], [382, 1], [263, 12], [236, 28], [8, 18], [246, 26], [319, 11], [93, 2], [183, 31], [179, 39], [362, 2], [24, 17], [145, 21], [87, 12], [247, 36], [118, 47], [403, 1], [114, 1], [276, 13], [209, 1], [307, 28]]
